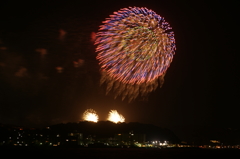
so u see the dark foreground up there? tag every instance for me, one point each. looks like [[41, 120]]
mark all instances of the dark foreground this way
[[118, 153]]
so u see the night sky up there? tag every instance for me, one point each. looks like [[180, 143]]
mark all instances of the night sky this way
[[201, 88]]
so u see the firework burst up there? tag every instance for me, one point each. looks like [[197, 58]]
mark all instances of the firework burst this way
[[115, 117], [135, 47], [90, 115]]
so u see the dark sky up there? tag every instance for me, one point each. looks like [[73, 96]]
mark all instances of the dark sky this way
[[201, 86]]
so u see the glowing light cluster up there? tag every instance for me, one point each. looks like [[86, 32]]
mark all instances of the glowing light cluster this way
[[135, 47], [115, 117], [90, 115]]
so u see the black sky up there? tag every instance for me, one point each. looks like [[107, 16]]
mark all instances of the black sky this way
[[201, 86]]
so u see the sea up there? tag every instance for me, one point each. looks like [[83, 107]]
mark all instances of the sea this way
[[118, 153]]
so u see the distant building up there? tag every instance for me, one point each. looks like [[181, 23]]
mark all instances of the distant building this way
[[129, 138]]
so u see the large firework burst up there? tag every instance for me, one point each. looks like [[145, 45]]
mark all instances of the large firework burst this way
[[115, 117], [135, 47], [90, 115]]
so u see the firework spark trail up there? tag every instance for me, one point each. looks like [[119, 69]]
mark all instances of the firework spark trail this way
[[135, 47], [115, 117], [90, 115]]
